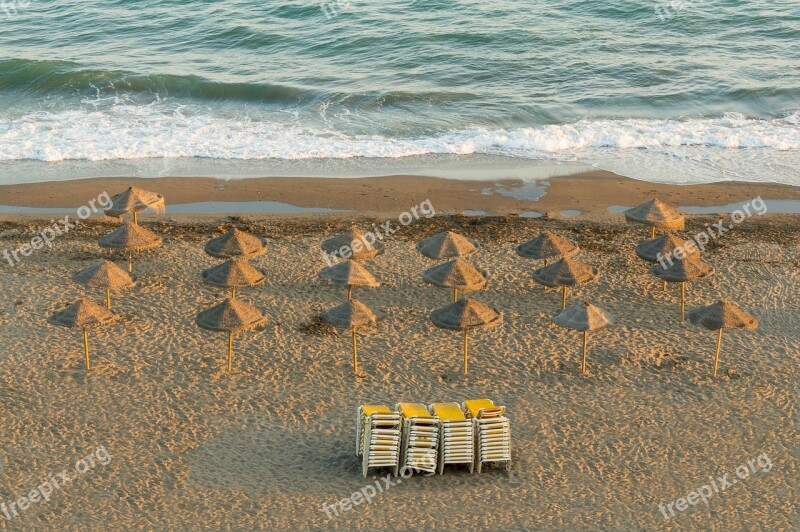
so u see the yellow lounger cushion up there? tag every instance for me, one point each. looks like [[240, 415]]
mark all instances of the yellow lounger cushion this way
[[474, 406], [375, 409], [448, 412], [414, 410]]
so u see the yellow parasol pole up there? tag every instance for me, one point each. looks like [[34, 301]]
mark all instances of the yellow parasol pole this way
[[349, 292], [466, 347], [130, 259], [583, 362], [108, 298], [564, 297], [233, 292], [653, 233], [355, 353], [230, 351], [665, 286], [86, 348], [716, 356], [683, 298], [455, 295], [135, 220]]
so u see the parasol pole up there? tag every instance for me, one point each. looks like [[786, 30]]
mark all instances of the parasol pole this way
[[233, 292], [230, 351], [716, 356], [583, 362], [86, 347], [683, 298], [455, 295], [135, 220], [665, 286], [466, 347], [564, 297], [108, 298], [350, 292], [130, 260], [653, 233], [355, 353]]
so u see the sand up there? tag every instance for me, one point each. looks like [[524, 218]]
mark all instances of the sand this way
[[193, 447]]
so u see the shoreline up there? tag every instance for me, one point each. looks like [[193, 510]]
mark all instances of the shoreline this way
[[591, 193]]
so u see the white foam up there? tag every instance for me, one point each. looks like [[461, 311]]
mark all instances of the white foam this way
[[730, 147]]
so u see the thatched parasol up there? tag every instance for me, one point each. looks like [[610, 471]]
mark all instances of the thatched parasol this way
[[455, 274], [665, 246], [683, 271], [583, 317], [564, 273], [235, 243], [233, 273], [349, 273], [547, 245], [447, 245], [106, 275], [722, 315], [354, 244], [230, 316], [83, 314], [131, 237], [135, 200], [658, 215], [352, 315], [466, 314]]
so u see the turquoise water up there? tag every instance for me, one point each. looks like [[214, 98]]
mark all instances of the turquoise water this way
[[667, 91]]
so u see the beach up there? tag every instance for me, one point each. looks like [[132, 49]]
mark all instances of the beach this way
[[272, 444]]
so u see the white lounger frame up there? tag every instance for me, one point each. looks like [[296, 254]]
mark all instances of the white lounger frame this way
[[456, 443], [379, 435], [492, 438], [420, 442]]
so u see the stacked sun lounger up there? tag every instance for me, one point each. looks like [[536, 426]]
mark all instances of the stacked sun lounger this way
[[420, 438], [492, 432], [456, 437], [379, 432]]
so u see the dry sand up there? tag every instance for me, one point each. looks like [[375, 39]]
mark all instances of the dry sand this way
[[194, 448]]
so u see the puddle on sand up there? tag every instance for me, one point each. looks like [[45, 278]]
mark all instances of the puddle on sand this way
[[530, 190]]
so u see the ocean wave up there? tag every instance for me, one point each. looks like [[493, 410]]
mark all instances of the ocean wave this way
[[136, 132]]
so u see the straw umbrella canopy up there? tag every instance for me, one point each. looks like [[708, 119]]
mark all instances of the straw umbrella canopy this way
[[455, 274], [354, 244], [349, 273], [683, 271], [131, 237], [231, 316], [447, 245], [135, 200], [722, 315], [547, 245], [233, 273], [666, 246], [657, 215], [235, 243], [565, 272], [583, 317], [106, 275], [83, 314], [466, 314], [353, 315]]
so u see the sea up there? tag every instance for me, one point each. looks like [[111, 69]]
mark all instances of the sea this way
[[674, 91]]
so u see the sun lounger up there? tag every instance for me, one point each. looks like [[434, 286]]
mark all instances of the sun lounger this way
[[492, 431], [379, 431], [420, 438], [456, 436]]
